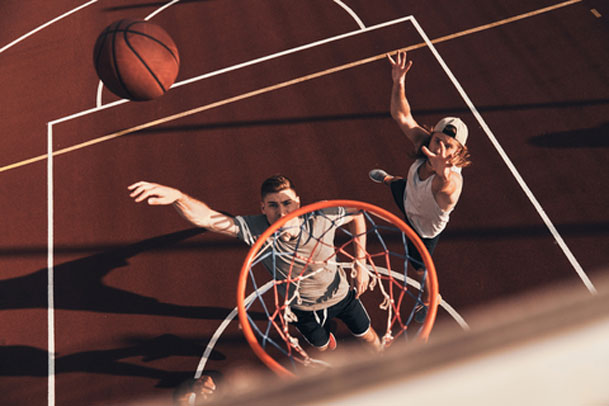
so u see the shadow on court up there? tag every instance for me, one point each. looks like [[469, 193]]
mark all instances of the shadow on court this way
[[30, 361], [152, 5], [595, 137], [79, 285]]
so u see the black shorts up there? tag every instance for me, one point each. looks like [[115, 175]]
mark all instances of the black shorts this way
[[398, 187], [350, 311]]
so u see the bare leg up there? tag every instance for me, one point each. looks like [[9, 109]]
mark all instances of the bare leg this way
[[370, 337]]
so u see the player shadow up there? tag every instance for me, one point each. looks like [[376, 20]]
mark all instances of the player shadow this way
[[78, 285], [150, 5], [594, 137], [30, 361]]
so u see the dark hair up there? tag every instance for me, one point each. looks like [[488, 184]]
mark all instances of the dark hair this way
[[274, 184]]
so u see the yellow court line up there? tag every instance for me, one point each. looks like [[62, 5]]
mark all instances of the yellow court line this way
[[283, 85]]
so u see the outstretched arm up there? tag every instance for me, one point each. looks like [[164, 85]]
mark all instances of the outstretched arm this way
[[400, 108], [193, 210]]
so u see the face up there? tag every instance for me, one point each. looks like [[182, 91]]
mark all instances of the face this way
[[451, 145], [277, 205]]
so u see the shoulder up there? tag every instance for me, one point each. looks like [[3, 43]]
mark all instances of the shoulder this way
[[250, 227], [420, 137]]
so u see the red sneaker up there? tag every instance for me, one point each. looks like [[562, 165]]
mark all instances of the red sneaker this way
[[332, 343]]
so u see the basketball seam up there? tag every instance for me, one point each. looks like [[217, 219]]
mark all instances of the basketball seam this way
[[100, 42], [152, 38], [116, 69], [154, 76]]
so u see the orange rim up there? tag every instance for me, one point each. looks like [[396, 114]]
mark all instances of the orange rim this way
[[432, 280]]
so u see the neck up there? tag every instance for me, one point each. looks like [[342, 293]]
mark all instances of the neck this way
[[425, 170]]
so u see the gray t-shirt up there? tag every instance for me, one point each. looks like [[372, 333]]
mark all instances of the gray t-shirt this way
[[323, 283]]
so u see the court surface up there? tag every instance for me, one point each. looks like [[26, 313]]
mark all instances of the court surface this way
[[103, 301]]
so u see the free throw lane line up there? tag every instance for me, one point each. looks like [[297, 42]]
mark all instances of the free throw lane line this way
[[329, 71]]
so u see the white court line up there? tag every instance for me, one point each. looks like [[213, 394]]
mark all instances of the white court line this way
[[43, 26], [50, 226], [290, 51], [161, 9], [557, 237], [212, 341], [255, 61], [238, 66], [50, 274], [351, 13], [305, 47], [279, 54], [262, 290]]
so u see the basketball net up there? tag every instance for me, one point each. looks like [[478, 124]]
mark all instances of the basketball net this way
[[266, 315]]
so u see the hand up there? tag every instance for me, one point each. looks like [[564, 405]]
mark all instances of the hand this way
[[154, 193], [204, 387], [441, 163], [362, 277], [399, 67]]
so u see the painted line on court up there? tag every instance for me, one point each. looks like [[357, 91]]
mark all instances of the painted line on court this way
[[291, 51], [50, 273], [255, 61], [259, 60], [352, 13], [45, 25], [160, 10], [264, 288], [525, 188]]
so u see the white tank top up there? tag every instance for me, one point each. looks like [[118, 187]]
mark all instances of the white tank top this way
[[420, 206]]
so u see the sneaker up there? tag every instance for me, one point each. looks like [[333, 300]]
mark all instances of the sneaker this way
[[420, 313], [332, 343], [378, 175]]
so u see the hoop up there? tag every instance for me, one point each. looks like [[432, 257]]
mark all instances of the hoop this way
[[277, 321]]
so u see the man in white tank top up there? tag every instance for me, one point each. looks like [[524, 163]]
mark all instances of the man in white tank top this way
[[433, 185]]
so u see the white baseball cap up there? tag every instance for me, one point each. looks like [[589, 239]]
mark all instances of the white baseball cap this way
[[453, 127]]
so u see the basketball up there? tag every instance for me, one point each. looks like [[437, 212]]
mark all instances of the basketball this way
[[136, 60]]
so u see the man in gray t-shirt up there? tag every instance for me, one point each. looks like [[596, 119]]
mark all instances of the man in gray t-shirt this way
[[323, 292], [324, 284]]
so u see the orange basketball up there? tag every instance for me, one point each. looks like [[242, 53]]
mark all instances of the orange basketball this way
[[136, 60]]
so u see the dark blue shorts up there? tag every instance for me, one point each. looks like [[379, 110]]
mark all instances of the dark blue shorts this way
[[350, 311], [398, 187]]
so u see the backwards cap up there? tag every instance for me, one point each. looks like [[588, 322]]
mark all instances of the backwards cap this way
[[452, 127]]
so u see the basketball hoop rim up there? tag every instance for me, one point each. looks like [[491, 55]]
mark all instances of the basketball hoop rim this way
[[248, 332]]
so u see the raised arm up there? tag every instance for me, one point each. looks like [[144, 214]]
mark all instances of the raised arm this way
[[400, 107], [193, 210]]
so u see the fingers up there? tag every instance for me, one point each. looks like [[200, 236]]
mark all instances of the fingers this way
[[408, 66], [427, 152], [144, 190], [400, 60], [442, 150], [361, 281]]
